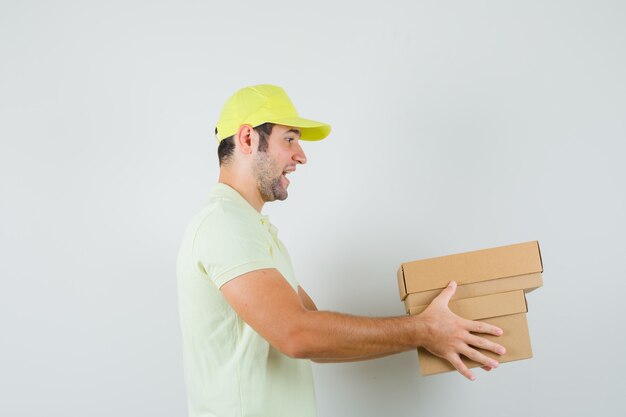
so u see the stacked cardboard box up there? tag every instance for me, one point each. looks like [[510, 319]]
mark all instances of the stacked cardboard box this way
[[491, 288]]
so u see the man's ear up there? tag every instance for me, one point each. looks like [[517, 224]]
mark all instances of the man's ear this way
[[245, 139]]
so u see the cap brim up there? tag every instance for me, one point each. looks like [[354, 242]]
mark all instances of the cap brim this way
[[309, 129]]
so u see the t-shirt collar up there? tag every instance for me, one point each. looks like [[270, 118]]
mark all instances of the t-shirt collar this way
[[227, 190]]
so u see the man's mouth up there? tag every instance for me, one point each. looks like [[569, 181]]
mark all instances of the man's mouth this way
[[285, 173]]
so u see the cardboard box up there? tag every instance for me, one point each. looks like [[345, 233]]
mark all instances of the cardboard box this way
[[491, 288], [505, 310], [521, 282], [470, 267]]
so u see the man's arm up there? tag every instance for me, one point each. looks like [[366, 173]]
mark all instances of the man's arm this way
[[308, 303], [265, 301]]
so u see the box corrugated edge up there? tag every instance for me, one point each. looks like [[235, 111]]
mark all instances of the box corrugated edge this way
[[401, 283]]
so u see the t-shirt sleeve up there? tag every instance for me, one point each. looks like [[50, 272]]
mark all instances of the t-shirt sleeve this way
[[226, 246]]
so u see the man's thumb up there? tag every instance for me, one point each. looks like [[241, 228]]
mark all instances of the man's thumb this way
[[447, 293]]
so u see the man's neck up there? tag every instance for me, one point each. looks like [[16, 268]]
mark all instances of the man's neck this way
[[244, 186]]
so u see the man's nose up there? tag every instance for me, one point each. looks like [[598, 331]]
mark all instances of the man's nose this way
[[299, 156]]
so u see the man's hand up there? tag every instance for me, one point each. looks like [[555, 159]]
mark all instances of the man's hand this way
[[450, 336]]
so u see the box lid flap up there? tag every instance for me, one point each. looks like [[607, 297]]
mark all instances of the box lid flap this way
[[475, 289], [468, 267], [486, 306]]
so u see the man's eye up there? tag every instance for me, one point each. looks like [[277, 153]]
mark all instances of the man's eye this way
[[290, 140]]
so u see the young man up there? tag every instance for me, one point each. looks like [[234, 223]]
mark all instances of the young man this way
[[249, 330]]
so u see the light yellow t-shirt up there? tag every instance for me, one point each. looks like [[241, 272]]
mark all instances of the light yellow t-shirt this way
[[230, 370]]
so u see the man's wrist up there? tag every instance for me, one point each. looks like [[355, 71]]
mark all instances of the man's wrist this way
[[420, 330]]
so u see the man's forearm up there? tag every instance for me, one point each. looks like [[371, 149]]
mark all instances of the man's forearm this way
[[355, 358], [336, 336]]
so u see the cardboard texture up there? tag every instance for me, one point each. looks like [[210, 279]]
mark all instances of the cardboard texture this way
[[521, 282], [469, 267], [491, 288]]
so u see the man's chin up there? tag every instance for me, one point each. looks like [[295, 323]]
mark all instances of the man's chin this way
[[280, 193], [282, 196]]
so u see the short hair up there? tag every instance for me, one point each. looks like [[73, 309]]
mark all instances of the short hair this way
[[227, 145]]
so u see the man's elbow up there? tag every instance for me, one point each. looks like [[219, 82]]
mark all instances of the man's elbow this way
[[296, 344], [296, 352]]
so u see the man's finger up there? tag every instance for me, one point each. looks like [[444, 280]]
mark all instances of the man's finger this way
[[447, 293], [481, 342], [476, 356], [461, 367], [480, 327]]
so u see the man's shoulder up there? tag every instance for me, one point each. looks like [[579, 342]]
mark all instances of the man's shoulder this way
[[225, 204], [221, 214], [225, 221]]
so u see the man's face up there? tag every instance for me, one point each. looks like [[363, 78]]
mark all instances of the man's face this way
[[272, 166]]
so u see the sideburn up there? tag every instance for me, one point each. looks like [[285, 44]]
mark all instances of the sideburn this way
[[264, 131]]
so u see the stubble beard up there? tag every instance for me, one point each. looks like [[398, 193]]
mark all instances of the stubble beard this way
[[269, 187]]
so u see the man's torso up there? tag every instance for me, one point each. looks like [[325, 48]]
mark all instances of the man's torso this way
[[230, 370]]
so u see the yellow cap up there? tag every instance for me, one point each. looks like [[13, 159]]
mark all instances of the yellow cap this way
[[265, 104]]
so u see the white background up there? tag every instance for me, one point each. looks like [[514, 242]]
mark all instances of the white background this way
[[457, 125]]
